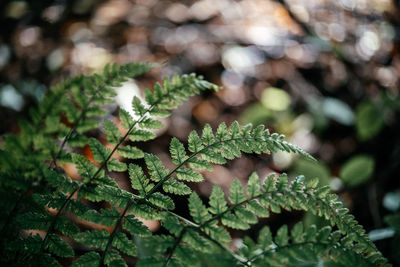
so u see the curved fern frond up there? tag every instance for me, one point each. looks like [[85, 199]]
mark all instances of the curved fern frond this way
[[159, 103], [276, 193], [207, 150], [37, 195]]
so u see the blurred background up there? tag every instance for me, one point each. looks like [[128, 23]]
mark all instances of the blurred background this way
[[324, 73]]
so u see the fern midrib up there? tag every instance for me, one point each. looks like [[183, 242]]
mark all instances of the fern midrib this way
[[162, 181], [148, 194], [114, 232], [366, 240], [176, 243], [65, 204], [81, 117], [218, 216], [130, 202], [67, 201]]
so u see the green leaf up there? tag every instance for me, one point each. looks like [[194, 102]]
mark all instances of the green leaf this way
[[156, 168], [89, 259], [95, 238], [357, 170], [253, 185], [233, 221], [213, 156], [264, 238], [187, 174], [139, 181], [207, 136], [195, 143], [150, 123], [369, 120], [282, 237], [162, 201], [113, 259], [197, 209], [297, 233], [115, 165], [33, 220], [138, 107], [125, 245], [87, 125], [236, 194], [100, 152], [58, 246], [245, 215], [175, 187], [217, 201], [112, 132], [134, 226], [107, 217], [126, 118], [177, 151], [130, 152], [199, 164], [222, 132], [141, 135]]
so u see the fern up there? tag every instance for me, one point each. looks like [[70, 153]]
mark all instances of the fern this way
[[38, 196]]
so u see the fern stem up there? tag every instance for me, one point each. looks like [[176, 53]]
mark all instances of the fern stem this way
[[54, 219], [115, 230], [238, 258], [81, 117], [117, 146], [367, 241], [183, 163], [67, 201], [230, 209], [65, 204], [176, 243]]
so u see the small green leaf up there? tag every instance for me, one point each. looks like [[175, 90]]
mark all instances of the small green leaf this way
[[125, 245], [130, 152], [195, 143], [138, 107], [197, 209], [100, 152], [156, 168], [217, 201], [89, 259], [150, 123], [175, 187], [59, 247], [207, 135], [126, 118], [253, 185], [282, 237], [236, 194], [116, 165], [141, 135], [177, 151], [134, 226], [112, 132], [357, 170], [95, 238], [369, 120]]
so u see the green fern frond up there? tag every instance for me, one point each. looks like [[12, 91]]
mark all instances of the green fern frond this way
[[37, 195]]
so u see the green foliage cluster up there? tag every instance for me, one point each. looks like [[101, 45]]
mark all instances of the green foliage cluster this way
[[36, 194]]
